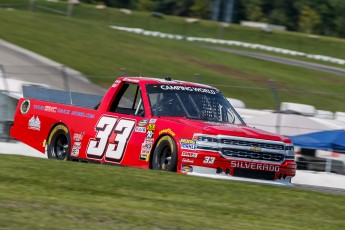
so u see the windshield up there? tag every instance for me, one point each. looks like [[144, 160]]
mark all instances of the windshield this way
[[205, 104]]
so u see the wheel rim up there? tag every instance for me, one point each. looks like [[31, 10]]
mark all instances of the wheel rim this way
[[61, 147], [165, 159]]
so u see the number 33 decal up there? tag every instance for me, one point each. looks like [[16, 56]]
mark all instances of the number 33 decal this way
[[111, 138]]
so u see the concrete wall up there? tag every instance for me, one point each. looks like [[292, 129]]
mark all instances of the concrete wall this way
[[7, 110]]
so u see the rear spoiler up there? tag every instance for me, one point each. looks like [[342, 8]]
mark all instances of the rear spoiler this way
[[62, 97]]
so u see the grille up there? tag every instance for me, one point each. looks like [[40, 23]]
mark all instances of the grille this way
[[252, 144], [254, 174], [274, 157]]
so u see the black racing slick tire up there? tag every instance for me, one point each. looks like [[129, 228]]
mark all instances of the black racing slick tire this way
[[165, 155], [59, 143]]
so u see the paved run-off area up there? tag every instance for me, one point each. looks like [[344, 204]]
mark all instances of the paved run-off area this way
[[24, 65]]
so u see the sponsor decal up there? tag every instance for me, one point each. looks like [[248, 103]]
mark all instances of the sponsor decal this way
[[187, 160], [82, 114], [151, 127], [152, 121], [255, 149], [25, 106], [254, 166], [47, 108], [63, 111], [77, 137], [131, 80], [39, 107], [145, 155], [53, 109], [75, 149], [189, 154], [34, 123], [167, 131], [149, 134], [209, 160], [50, 109], [77, 144], [139, 129], [187, 143], [188, 88], [145, 151], [143, 147], [149, 140], [186, 168], [115, 84], [148, 145], [146, 148], [143, 122]]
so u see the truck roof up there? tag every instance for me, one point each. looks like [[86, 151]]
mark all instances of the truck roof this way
[[168, 80]]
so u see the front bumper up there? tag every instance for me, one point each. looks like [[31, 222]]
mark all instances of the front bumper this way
[[212, 173], [240, 158], [263, 172]]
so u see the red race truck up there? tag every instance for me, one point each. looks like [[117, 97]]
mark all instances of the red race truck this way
[[161, 124]]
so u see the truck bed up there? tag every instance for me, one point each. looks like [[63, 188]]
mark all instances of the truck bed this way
[[62, 97]]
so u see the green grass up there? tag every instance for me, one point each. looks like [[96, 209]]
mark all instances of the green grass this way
[[86, 43], [301, 58], [46, 194], [177, 25], [290, 40]]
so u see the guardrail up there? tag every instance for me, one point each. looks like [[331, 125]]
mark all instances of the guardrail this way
[[321, 164], [5, 127]]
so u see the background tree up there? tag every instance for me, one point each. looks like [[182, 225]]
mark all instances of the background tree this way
[[324, 17], [339, 17], [200, 9], [130, 4], [175, 7], [253, 10], [282, 12], [145, 5], [308, 19]]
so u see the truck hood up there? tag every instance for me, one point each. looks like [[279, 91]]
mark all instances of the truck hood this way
[[216, 128]]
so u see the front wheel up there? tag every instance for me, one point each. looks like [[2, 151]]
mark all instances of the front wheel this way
[[165, 155], [59, 143]]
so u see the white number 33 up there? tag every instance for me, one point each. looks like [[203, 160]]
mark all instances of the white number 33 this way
[[113, 149], [209, 160]]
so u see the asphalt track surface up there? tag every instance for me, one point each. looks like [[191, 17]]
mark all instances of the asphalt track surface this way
[[282, 60], [334, 191], [26, 66]]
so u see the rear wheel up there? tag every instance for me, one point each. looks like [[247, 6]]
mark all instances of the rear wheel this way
[[59, 143], [165, 155]]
